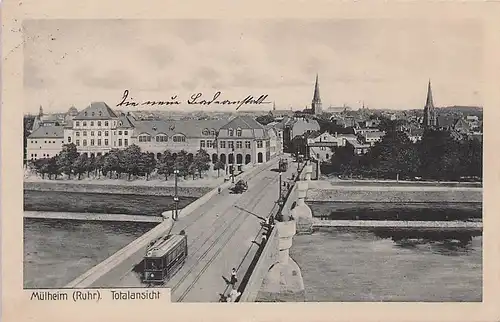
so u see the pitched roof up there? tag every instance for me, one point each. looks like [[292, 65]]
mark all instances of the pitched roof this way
[[96, 111], [48, 132], [243, 122], [189, 128], [374, 134]]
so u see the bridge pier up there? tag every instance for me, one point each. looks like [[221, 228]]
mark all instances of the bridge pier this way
[[302, 213], [283, 282]]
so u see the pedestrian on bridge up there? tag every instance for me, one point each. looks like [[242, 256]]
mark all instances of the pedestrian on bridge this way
[[218, 190], [234, 279]]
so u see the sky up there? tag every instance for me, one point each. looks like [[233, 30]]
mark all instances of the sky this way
[[384, 63]]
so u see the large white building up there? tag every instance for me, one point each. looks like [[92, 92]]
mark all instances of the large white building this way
[[98, 129]]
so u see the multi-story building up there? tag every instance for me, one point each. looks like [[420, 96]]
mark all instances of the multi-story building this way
[[243, 140], [45, 142], [98, 129]]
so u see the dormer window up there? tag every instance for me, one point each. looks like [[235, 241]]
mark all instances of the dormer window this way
[[85, 113], [179, 138], [120, 123], [205, 132], [231, 132], [238, 132], [144, 138], [212, 132], [161, 138], [93, 113], [100, 113]]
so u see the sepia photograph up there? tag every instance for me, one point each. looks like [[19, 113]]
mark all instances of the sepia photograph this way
[[335, 160]]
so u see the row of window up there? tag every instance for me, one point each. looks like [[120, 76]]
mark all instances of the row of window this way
[[99, 123], [92, 142], [44, 141], [231, 132], [162, 138], [99, 133], [207, 132]]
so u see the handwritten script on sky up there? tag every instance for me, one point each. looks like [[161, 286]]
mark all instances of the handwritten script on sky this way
[[195, 99]]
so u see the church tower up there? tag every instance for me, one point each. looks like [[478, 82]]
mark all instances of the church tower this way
[[430, 118], [316, 101], [40, 111]]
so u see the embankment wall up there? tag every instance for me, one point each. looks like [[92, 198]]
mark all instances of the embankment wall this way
[[116, 189], [414, 194]]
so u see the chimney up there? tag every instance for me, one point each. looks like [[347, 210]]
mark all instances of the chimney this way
[[335, 134]]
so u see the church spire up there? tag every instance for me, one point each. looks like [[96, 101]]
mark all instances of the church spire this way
[[316, 101], [430, 115], [429, 102]]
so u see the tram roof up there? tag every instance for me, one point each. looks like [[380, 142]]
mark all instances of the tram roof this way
[[162, 246]]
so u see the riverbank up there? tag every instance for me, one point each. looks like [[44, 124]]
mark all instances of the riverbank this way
[[101, 203], [90, 216], [392, 192], [132, 188]]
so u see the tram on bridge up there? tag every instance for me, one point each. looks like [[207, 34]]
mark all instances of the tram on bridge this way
[[164, 258]]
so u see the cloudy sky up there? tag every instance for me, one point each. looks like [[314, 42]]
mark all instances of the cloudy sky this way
[[385, 63]]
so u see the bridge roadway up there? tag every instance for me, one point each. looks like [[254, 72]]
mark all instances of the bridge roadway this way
[[220, 237]]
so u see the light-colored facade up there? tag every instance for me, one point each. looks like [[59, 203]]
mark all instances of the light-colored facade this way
[[45, 142], [372, 137], [97, 130]]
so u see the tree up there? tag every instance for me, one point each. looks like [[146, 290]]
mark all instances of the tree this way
[[147, 164], [99, 163], [166, 164], [80, 165], [111, 162], [53, 167], [394, 156], [131, 158], [42, 166], [265, 119], [90, 165], [182, 163], [201, 161], [219, 165], [67, 157]]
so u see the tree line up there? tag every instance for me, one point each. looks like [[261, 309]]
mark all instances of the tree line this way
[[116, 163], [438, 156]]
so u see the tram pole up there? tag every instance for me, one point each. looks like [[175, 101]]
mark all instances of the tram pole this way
[[279, 200], [176, 197]]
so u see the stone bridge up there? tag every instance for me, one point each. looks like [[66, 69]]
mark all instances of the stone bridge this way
[[224, 231]]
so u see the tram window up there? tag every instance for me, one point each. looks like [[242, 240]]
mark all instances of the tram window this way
[[154, 263]]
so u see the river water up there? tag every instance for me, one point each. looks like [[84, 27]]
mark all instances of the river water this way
[[58, 251], [336, 266], [362, 266]]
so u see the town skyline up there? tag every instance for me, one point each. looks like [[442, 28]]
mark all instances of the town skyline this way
[[379, 64]]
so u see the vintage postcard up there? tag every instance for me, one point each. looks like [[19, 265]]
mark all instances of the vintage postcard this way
[[252, 159]]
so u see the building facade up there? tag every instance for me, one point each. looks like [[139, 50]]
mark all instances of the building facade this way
[[98, 129]]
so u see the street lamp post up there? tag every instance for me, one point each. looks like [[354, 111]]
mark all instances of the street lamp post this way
[[176, 198], [232, 167], [279, 200], [217, 146]]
